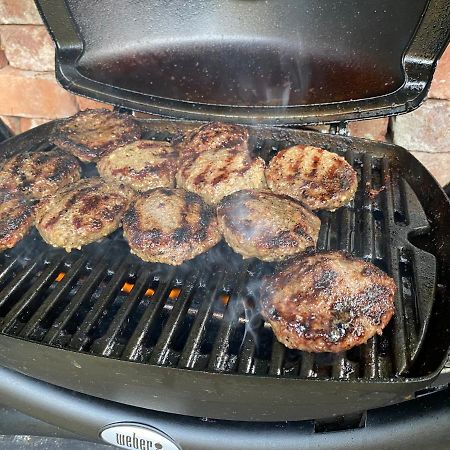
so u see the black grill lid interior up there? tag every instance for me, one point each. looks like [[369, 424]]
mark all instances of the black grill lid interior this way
[[278, 61]]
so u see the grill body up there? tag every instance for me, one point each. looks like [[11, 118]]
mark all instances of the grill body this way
[[174, 344]]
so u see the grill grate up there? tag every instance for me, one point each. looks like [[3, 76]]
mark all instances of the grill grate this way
[[203, 315]]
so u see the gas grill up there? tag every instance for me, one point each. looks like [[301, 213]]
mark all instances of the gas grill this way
[[100, 343]]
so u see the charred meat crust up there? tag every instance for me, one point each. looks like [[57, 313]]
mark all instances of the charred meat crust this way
[[16, 218], [328, 302], [82, 213], [317, 177], [170, 226], [93, 133], [142, 165], [39, 174], [268, 226], [215, 174], [214, 136]]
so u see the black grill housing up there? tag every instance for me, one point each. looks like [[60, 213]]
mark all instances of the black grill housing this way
[[194, 354]]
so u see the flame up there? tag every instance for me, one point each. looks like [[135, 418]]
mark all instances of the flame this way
[[60, 276], [225, 298], [174, 293], [127, 287], [149, 292]]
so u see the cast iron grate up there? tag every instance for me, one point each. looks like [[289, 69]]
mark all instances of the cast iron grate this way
[[203, 315]]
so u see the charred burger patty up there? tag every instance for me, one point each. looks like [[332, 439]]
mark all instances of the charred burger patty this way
[[318, 178], [82, 213], [93, 133], [16, 218], [170, 226], [215, 174], [39, 174], [267, 226], [141, 165], [327, 302]]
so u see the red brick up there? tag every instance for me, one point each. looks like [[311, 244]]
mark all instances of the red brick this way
[[19, 11], [28, 47], [33, 94], [425, 129], [28, 123], [3, 59], [13, 123], [87, 103], [374, 129], [436, 163], [440, 87]]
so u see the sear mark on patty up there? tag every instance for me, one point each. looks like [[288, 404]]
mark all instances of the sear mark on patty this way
[[141, 165], [327, 302], [214, 136], [215, 174], [314, 176], [39, 174], [94, 133], [170, 226], [16, 218], [82, 213]]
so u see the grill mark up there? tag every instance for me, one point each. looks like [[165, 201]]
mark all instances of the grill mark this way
[[315, 164]]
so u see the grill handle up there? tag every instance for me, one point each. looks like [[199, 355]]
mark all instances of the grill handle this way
[[414, 424]]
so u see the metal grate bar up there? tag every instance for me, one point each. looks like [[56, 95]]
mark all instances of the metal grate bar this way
[[209, 296], [161, 351], [33, 294], [277, 358], [81, 338], [61, 289], [105, 345], [219, 360], [134, 348], [82, 295], [15, 284]]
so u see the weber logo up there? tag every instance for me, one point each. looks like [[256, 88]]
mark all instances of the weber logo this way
[[137, 437]]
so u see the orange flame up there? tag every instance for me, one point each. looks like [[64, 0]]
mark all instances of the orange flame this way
[[225, 298], [60, 276], [127, 287], [174, 293], [149, 292]]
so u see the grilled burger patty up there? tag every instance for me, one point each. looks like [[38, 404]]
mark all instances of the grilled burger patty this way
[[214, 136], [267, 226], [170, 226], [214, 174], [328, 302], [141, 165], [93, 133], [318, 178], [39, 174], [16, 218], [82, 213]]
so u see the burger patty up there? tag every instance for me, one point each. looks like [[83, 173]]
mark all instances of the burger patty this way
[[16, 218], [318, 178], [141, 165], [82, 213], [39, 174], [328, 302], [215, 174], [94, 133], [214, 136], [170, 226], [267, 226]]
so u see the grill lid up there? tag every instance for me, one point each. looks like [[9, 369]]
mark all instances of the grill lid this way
[[279, 62]]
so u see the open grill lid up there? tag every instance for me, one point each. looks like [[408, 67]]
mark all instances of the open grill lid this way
[[279, 62]]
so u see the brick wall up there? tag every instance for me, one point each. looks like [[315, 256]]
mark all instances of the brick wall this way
[[30, 95]]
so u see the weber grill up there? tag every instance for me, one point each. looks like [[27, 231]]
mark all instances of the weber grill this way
[[98, 337]]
